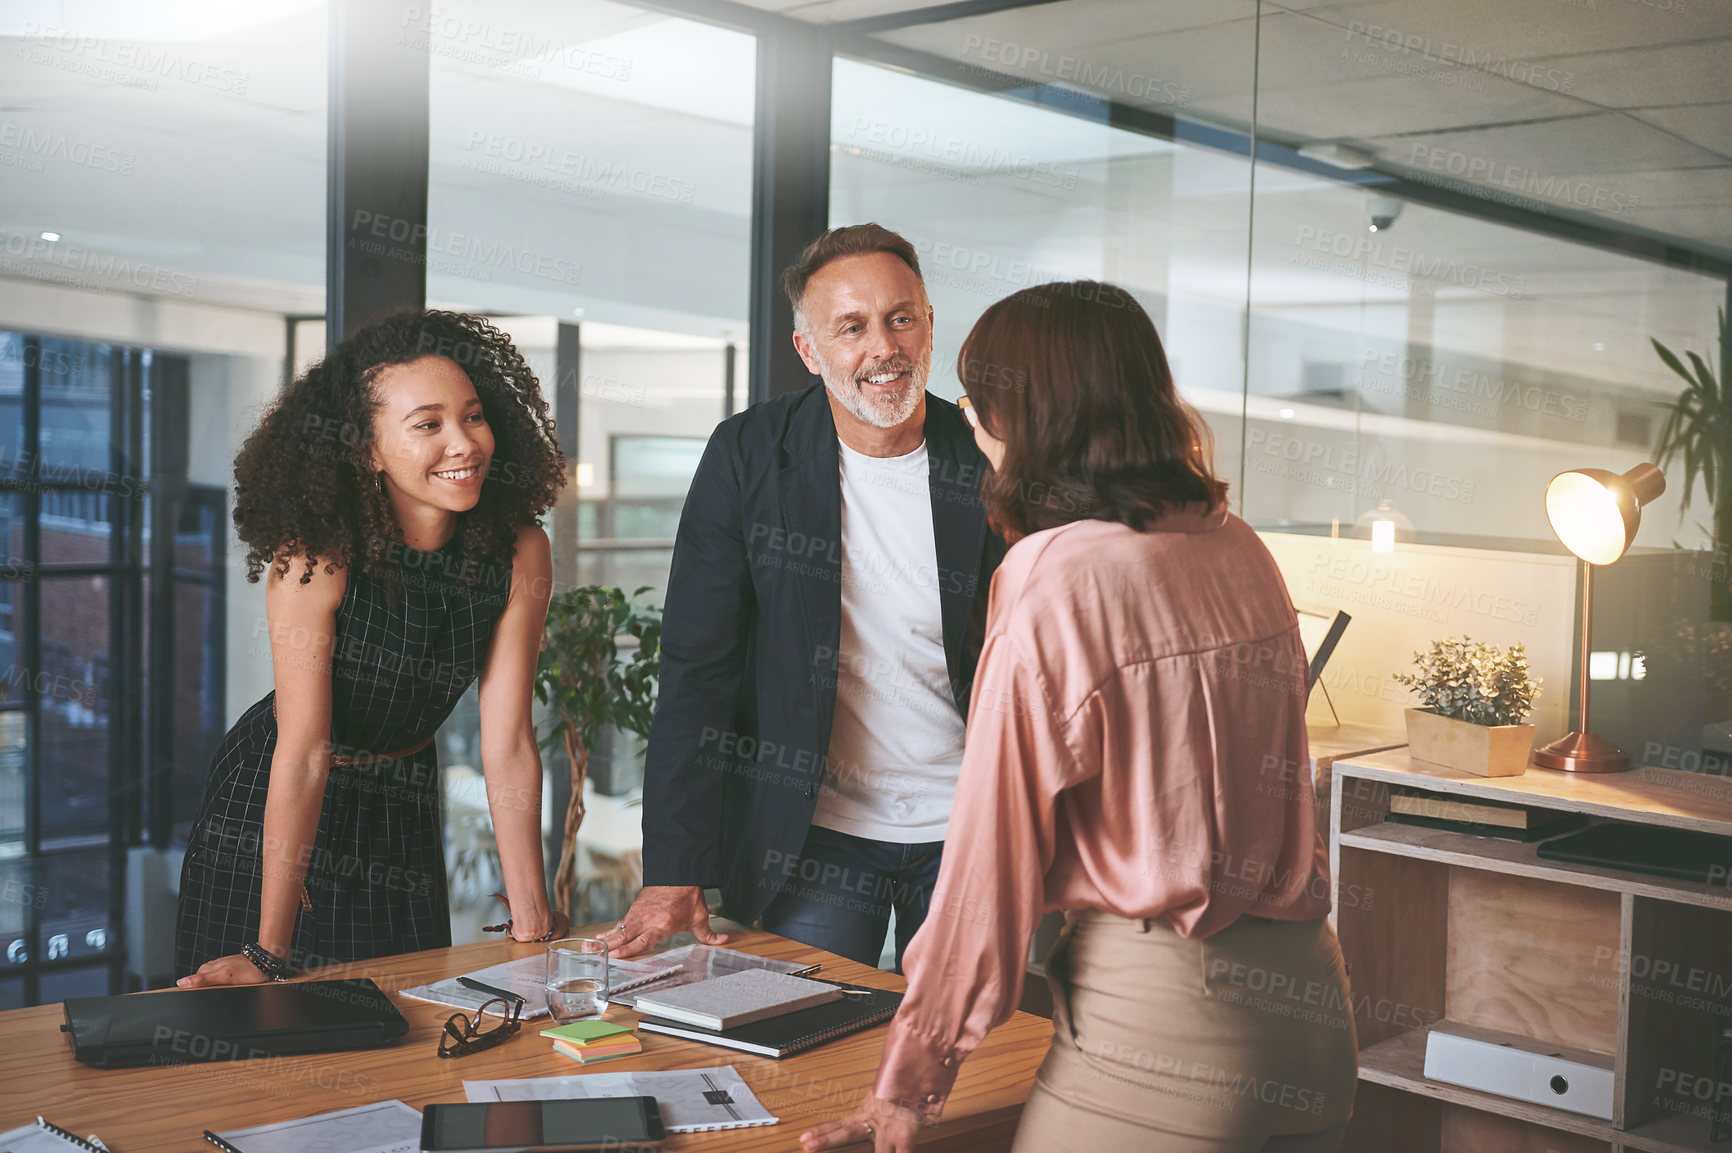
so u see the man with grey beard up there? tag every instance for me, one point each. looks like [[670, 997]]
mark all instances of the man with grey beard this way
[[824, 615]]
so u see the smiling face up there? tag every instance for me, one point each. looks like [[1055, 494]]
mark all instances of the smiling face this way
[[868, 333], [430, 439]]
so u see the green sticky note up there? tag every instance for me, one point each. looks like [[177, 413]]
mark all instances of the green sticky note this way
[[583, 1032]]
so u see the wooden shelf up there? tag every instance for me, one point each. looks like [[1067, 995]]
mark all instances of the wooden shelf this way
[[1484, 930], [1522, 859], [1672, 1133], [1646, 796], [1400, 1064]]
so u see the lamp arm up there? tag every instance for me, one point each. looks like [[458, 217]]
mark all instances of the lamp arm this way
[[1587, 646]]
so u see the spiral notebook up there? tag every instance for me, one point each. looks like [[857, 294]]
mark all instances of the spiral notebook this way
[[794, 1032], [46, 1137]]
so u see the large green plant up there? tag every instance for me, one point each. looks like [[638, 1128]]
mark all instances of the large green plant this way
[[1698, 431], [589, 685]]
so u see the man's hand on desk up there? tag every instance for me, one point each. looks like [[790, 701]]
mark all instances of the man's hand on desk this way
[[659, 912], [234, 969], [889, 1127]]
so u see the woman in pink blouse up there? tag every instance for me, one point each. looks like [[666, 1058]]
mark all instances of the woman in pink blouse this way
[[1137, 717]]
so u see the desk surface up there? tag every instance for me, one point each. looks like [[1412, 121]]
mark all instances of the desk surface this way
[[147, 1110]]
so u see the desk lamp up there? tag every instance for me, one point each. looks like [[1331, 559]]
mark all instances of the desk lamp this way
[[1596, 514]]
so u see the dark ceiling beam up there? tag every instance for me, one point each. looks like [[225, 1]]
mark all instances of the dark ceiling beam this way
[[936, 14]]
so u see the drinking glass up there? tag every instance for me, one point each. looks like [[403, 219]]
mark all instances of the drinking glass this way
[[576, 979]]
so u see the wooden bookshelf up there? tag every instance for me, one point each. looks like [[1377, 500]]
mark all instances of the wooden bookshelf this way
[[1443, 926]]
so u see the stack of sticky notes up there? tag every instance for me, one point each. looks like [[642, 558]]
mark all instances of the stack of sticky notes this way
[[590, 1041]]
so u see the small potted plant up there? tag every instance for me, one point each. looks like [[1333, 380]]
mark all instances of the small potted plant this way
[[1474, 697]]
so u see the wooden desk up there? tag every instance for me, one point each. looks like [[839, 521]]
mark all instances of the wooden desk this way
[[1330, 743], [154, 1110]]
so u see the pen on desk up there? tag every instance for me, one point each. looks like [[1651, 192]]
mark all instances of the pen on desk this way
[[479, 987]]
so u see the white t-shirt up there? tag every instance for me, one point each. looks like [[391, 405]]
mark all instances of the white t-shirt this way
[[896, 744]]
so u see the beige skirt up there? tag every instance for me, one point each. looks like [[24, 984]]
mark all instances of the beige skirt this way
[[1241, 1043]]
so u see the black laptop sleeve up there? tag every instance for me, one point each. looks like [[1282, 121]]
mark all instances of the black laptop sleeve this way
[[232, 1023]]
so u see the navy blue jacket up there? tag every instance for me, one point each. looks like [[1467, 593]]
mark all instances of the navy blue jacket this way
[[750, 632]]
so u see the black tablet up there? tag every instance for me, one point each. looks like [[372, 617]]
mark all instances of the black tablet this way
[[617, 1124]]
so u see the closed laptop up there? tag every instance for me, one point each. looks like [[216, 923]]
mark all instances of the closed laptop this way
[[231, 1023]]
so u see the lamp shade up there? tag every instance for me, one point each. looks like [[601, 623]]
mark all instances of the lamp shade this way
[[1596, 512]]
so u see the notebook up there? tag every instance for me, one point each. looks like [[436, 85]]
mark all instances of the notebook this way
[[690, 1100], [46, 1137], [736, 999], [382, 1127], [182, 1026], [793, 1032]]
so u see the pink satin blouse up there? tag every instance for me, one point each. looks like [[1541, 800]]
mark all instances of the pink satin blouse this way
[[1136, 744]]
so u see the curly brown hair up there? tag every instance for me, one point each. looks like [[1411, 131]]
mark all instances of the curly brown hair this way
[[303, 481]]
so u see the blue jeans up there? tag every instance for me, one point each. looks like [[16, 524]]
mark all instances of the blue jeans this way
[[839, 894]]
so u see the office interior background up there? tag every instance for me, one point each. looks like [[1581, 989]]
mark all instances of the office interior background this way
[[1409, 258]]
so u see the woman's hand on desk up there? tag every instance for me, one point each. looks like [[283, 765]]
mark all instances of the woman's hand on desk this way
[[887, 1127], [234, 969], [559, 925]]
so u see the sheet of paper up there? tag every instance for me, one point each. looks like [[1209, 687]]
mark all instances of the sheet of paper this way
[[699, 963], [691, 1100], [382, 1127]]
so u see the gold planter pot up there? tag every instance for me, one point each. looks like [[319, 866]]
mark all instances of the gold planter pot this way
[[1483, 750]]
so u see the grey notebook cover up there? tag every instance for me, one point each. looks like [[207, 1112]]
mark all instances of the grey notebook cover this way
[[737, 999]]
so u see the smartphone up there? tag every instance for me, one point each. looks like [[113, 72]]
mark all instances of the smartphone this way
[[616, 1124]]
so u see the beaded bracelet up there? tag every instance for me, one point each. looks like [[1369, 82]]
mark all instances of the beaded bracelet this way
[[505, 926], [266, 961]]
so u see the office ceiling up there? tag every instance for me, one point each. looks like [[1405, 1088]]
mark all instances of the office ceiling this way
[[225, 187], [1616, 110]]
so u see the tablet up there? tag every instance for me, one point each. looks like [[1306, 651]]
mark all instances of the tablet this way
[[617, 1124]]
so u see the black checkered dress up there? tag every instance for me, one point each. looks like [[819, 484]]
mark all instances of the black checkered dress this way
[[376, 877]]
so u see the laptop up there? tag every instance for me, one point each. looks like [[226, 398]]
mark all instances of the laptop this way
[[1683, 854], [231, 1023]]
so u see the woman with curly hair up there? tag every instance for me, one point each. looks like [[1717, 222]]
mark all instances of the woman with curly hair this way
[[393, 493]]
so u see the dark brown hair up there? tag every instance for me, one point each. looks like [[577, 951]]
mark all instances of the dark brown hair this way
[[304, 482], [853, 240], [1073, 379]]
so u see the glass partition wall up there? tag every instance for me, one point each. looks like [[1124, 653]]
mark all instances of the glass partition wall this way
[[1408, 259], [1439, 284]]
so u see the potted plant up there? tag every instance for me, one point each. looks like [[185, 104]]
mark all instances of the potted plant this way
[[588, 685], [1698, 430], [1473, 696]]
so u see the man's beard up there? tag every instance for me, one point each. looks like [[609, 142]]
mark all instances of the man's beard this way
[[885, 411]]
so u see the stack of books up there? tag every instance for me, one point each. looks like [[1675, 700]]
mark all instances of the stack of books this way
[[758, 1011], [589, 1041]]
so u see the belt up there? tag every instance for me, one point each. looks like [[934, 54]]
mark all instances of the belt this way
[[371, 758]]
